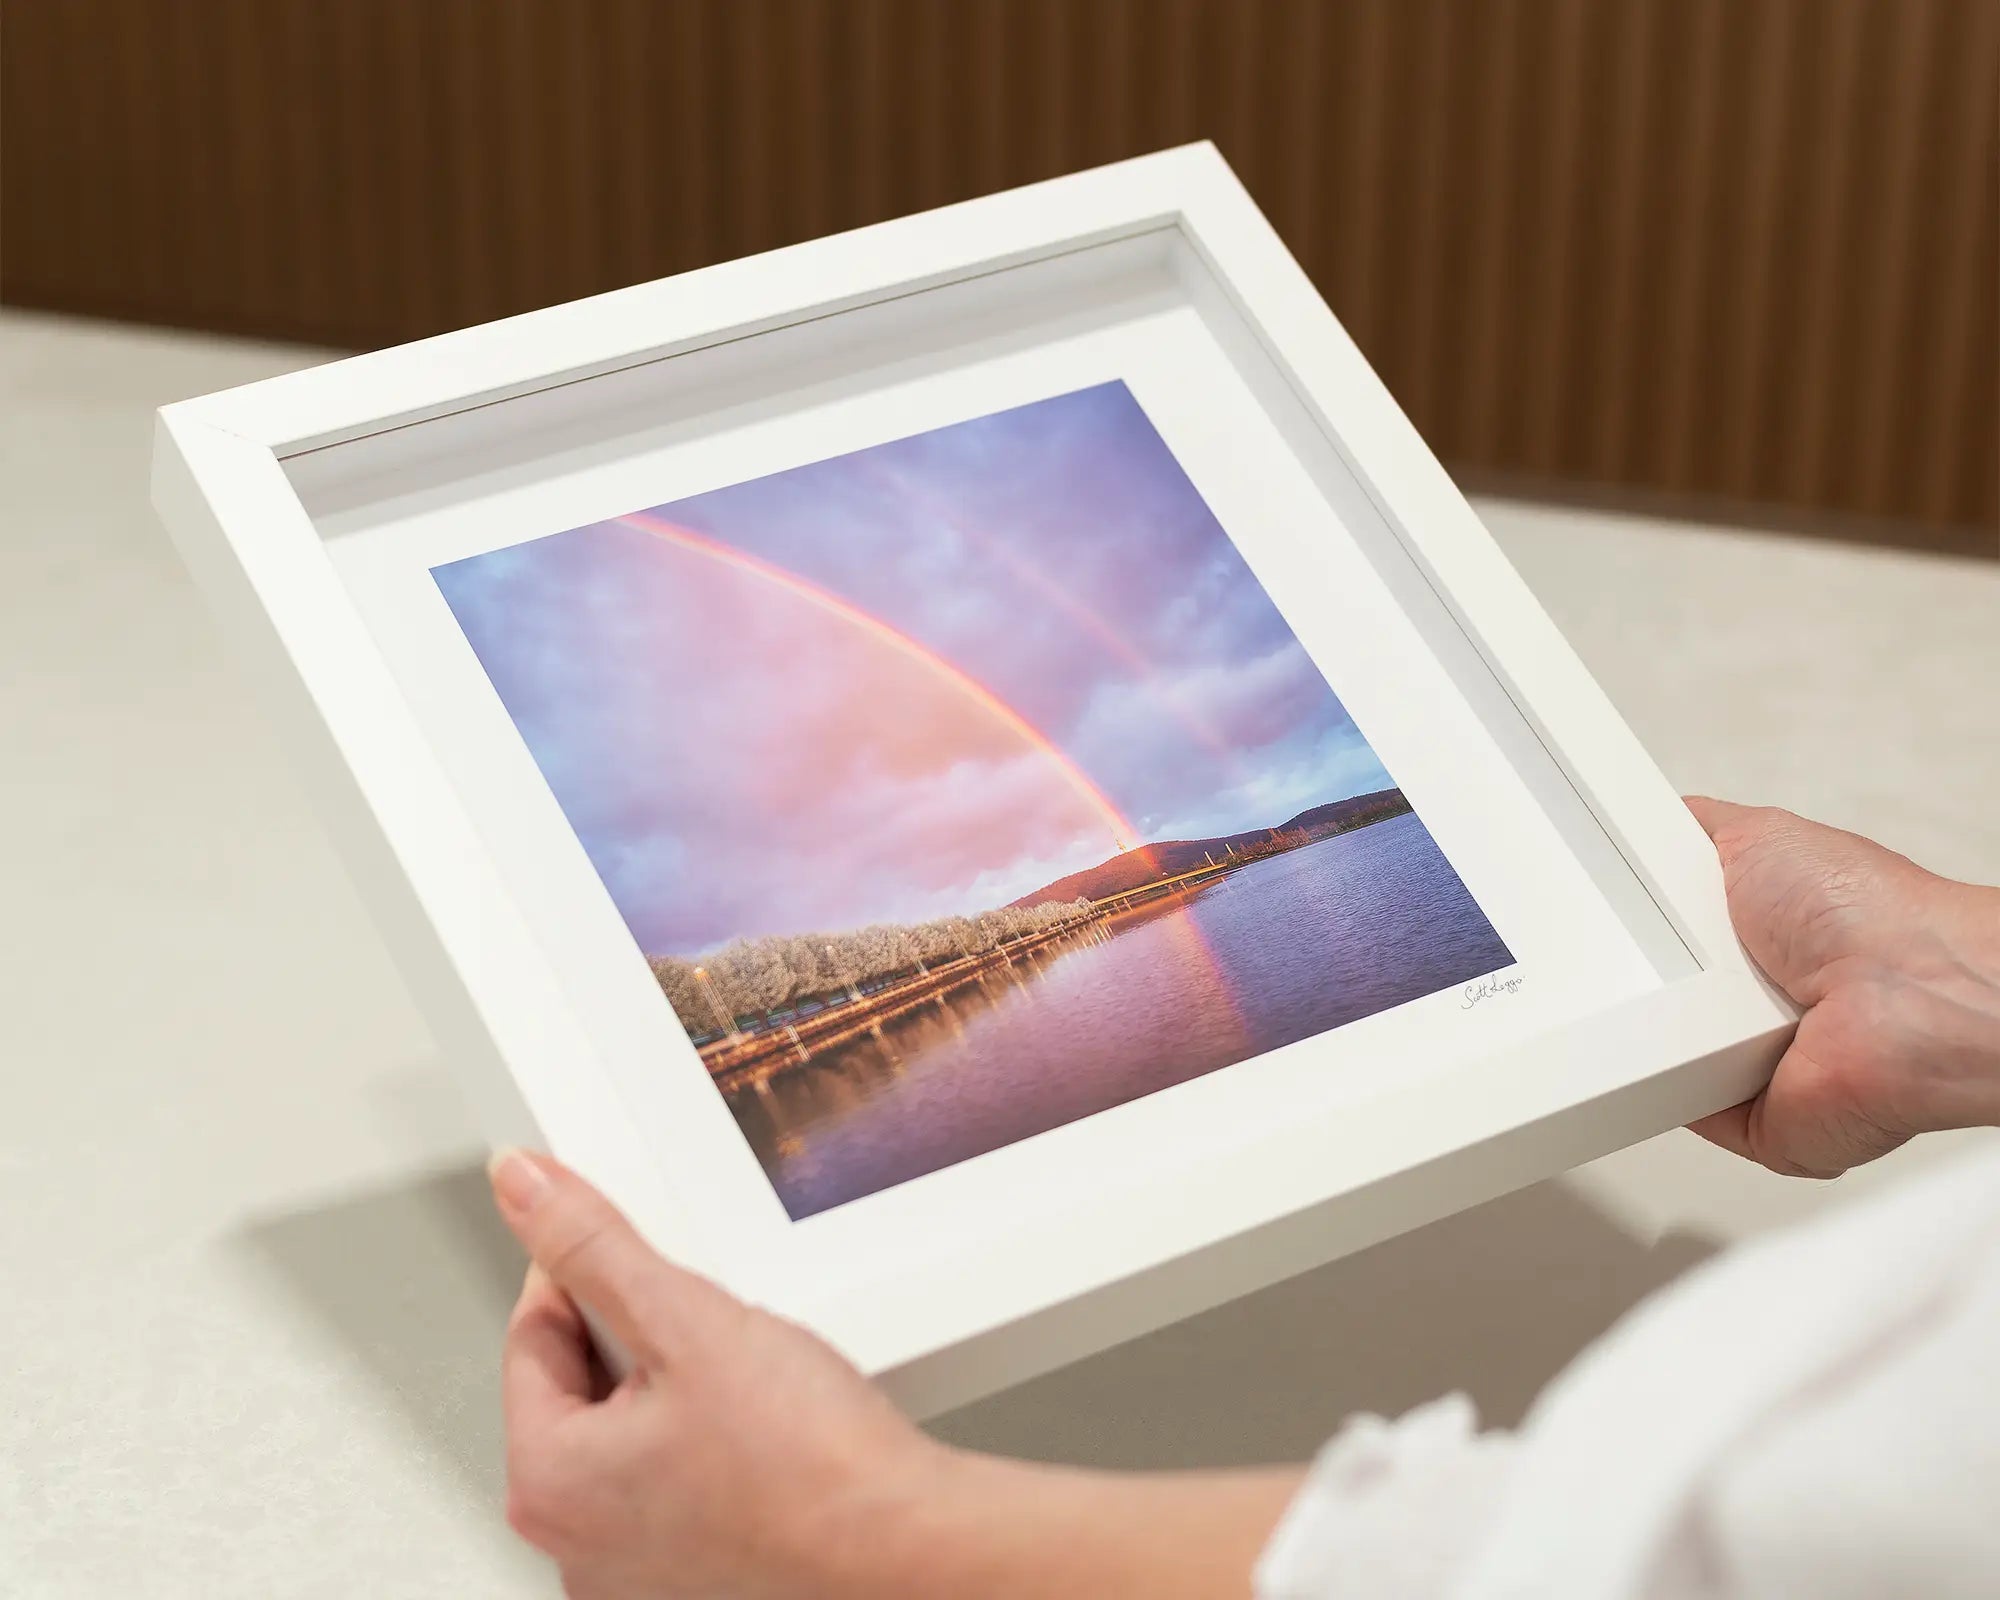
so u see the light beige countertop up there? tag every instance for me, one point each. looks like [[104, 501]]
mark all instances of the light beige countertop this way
[[255, 1295]]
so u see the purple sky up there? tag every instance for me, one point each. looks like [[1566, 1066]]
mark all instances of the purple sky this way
[[738, 758]]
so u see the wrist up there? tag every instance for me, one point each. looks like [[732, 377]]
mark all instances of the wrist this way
[[981, 1527], [877, 1540], [955, 1522], [913, 1527]]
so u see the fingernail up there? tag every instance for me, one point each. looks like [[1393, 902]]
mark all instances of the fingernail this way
[[519, 1180]]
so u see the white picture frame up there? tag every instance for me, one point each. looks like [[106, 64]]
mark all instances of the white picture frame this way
[[293, 501]]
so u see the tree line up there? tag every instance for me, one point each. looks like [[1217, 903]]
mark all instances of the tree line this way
[[752, 978], [1392, 805]]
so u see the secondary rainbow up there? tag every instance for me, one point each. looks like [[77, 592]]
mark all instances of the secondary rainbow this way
[[1061, 599]]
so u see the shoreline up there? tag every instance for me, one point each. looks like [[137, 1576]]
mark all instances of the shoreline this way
[[750, 1056]]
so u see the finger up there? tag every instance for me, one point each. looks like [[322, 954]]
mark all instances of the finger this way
[[1728, 1128], [1806, 1124], [1713, 815], [1746, 1131], [545, 1371], [579, 1239], [597, 1257], [1798, 1126]]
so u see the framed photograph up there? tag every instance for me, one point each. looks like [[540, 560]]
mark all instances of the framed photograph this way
[[975, 774]]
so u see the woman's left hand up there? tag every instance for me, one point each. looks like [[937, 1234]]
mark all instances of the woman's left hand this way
[[741, 1456]]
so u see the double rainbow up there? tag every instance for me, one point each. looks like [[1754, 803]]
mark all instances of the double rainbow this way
[[976, 693]]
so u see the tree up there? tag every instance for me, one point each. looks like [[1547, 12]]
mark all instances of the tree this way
[[749, 976], [677, 982], [842, 962], [757, 975], [805, 959], [903, 949], [878, 950], [765, 976], [994, 928], [934, 941]]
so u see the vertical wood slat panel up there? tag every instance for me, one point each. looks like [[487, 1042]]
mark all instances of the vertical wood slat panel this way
[[1956, 467], [1556, 160], [1829, 219], [1683, 246], [1742, 383], [1628, 179]]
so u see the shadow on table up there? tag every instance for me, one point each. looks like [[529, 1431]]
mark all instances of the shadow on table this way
[[1494, 1301], [416, 1281]]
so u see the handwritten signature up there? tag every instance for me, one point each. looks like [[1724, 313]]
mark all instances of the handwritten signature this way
[[1486, 988]]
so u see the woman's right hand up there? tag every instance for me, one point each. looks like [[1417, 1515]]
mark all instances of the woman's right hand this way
[[1899, 974]]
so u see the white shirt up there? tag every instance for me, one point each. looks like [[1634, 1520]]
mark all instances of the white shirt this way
[[1815, 1415]]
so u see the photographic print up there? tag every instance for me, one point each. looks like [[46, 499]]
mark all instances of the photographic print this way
[[961, 787]]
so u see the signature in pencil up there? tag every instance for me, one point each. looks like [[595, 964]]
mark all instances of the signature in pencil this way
[[1486, 988]]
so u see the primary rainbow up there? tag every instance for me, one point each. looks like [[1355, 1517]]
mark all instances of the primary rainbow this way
[[989, 703]]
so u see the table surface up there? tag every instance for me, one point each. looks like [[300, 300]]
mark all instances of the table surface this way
[[257, 1291]]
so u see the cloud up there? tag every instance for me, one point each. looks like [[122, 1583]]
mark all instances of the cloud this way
[[738, 758]]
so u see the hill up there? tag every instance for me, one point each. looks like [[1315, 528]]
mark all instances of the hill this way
[[1173, 856]]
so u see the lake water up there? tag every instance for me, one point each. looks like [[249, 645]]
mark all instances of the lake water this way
[[1288, 947]]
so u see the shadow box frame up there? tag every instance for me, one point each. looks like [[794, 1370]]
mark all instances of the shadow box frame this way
[[255, 482]]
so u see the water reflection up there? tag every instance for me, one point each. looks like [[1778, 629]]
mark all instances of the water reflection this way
[[1287, 947]]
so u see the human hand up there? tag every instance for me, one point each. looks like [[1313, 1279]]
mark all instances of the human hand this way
[[741, 1456], [1899, 974]]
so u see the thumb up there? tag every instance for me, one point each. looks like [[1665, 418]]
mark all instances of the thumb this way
[[596, 1257], [1714, 815]]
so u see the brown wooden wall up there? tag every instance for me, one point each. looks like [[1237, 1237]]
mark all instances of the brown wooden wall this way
[[1734, 249]]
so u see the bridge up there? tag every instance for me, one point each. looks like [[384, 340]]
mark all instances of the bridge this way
[[751, 1055], [1144, 892]]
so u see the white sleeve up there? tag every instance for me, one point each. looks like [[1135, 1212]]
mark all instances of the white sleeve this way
[[1816, 1413], [1389, 1510], [1675, 1457], [1884, 1479]]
